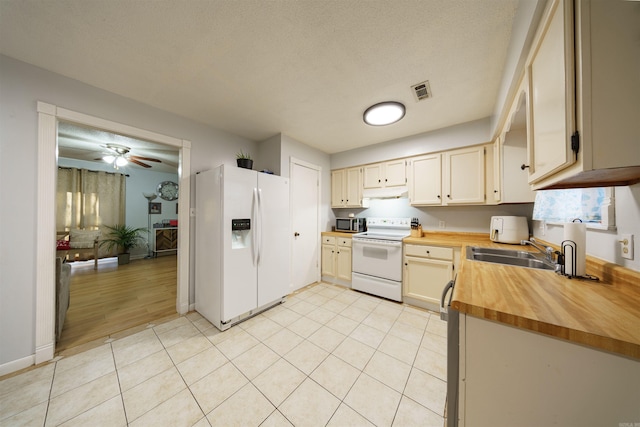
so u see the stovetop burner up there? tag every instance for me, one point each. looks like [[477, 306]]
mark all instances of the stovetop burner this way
[[386, 229]]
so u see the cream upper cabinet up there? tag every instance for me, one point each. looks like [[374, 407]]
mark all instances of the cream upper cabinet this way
[[464, 179], [509, 158], [592, 91], [550, 74], [425, 180], [346, 188], [387, 174], [338, 181]]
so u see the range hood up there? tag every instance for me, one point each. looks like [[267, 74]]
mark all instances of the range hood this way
[[386, 193]]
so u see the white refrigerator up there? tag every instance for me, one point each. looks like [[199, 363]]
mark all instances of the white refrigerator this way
[[242, 243]]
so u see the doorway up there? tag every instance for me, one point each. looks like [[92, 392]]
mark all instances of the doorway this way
[[106, 179], [48, 117], [305, 223]]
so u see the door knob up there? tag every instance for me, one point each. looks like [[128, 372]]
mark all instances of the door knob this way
[[296, 234]]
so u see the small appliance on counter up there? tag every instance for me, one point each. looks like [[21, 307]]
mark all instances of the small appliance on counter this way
[[509, 229], [351, 225]]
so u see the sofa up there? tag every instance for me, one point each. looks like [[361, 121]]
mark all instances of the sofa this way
[[63, 281], [78, 242]]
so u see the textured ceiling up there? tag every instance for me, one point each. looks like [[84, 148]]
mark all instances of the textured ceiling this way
[[256, 68], [82, 143]]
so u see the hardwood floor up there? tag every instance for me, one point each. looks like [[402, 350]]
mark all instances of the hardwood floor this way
[[115, 297]]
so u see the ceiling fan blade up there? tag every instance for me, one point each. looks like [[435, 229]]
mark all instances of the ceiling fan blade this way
[[148, 159], [144, 165]]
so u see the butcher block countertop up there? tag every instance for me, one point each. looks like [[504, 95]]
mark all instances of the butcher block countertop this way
[[603, 314]]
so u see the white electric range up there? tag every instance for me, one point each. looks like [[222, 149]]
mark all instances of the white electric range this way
[[377, 257]]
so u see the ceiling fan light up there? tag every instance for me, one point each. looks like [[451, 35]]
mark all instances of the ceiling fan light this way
[[384, 113], [109, 158], [121, 161]]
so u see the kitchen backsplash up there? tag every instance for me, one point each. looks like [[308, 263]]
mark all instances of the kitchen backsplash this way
[[456, 218]]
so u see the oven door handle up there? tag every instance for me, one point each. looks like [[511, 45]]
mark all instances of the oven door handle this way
[[371, 242]]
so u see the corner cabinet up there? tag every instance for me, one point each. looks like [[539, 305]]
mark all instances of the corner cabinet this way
[[346, 188], [336, 259], [387, 174], [509, 158], [583, 86]]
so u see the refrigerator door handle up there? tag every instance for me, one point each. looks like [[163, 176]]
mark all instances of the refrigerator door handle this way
[[254, 237], [259, 225]]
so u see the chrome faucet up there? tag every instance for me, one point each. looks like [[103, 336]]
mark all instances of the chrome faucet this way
[[547, 251]]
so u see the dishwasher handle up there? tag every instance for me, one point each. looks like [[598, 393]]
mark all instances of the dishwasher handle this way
[[445, 308]]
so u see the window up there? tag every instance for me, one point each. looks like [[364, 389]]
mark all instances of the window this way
[[594, 206]]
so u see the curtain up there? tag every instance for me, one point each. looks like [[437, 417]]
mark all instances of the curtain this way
[[89, 200]]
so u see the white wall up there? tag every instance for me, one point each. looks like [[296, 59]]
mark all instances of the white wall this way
[[138, 181], [523, 29], [604, 244], [292, 148], [21, 86], [462, 135], [269, 155]]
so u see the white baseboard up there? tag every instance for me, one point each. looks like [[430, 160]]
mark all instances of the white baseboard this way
[[16, 365]]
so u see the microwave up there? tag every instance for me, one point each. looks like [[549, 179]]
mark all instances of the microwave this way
[[354, 225]]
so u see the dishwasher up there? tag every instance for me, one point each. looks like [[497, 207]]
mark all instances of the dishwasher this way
[[452, 317]]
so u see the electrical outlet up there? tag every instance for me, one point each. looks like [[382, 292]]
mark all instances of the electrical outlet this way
[[441, 224], [626, 245]]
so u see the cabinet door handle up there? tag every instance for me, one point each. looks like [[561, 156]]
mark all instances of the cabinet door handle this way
[[378, 180], [448, 196], [439, 196], [296, 234], [406, 264], [385, 180], [428, 252], [523, 166]]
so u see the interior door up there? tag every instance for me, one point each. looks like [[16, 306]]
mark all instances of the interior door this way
[[305, 196]]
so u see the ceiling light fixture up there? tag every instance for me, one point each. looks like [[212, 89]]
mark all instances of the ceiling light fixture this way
[[384, 113], [117, 161]]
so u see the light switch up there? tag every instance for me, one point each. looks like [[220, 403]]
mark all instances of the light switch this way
[[626, 245]]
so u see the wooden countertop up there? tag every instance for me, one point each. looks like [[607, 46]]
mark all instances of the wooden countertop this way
[[603, 314]]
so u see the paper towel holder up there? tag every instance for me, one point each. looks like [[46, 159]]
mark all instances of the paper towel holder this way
[[570, 246]]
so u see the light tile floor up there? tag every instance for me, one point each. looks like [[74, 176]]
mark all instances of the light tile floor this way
[[327, 356]]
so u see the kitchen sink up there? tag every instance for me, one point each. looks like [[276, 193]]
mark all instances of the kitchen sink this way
[[509, 257]]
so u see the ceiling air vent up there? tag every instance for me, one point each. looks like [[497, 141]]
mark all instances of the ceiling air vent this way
[[422, 90]]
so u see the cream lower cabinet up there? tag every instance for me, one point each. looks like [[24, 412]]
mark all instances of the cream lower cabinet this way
[[515, 377], [336, 259], [427, 269]]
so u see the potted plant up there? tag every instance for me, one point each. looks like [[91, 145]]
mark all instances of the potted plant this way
[[244, 160], [124, 237]]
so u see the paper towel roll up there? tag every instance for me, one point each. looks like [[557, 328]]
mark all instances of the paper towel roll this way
[[575, 232]]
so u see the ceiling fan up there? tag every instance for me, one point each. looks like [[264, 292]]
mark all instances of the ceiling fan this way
[[119, 156]]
